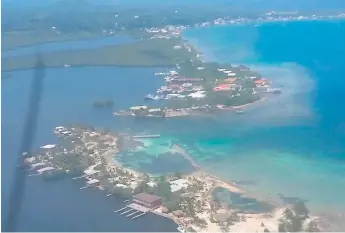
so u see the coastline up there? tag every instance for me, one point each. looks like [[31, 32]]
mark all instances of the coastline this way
[[107, 157]]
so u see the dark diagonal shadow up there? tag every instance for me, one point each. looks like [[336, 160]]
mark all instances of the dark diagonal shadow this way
[[29, 133]]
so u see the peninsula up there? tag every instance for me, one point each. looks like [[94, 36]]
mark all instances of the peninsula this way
[[188, 199], [145, 53]]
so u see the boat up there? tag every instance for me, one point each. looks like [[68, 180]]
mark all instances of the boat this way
[[239, 112], [274, 90], [181, 229], [153, 97]]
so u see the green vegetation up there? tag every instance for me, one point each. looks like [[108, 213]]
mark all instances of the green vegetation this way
[[75, 19], [312, 227], [294, 219], [158, 52]]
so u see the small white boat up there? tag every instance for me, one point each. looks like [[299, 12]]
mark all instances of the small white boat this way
[[181, 229]]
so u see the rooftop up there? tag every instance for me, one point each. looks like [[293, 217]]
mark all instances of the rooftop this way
[[145, 197]]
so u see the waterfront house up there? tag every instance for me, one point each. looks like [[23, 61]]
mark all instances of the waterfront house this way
[[260, 82], [137, 108], [230, 80], [172, 96], [197, 95], [147, 200], [93, 181], [222, 87], [164, 209], [45, 169], [187, 79], [185, 85], [178, 213]]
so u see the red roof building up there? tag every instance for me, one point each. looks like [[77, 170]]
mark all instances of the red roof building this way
[[260, 82], [222, 87], [147, 200]]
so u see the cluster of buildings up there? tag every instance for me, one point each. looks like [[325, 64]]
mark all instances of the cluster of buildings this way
[[166, 32], [179, 87]]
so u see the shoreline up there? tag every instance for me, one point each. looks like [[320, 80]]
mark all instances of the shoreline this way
[[204, 183]]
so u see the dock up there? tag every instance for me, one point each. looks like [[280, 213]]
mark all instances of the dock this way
[[138, 210], [127, 211], [120, 209], [147, 136], [79, 177], [139, 215], [132, 213], [84, 187], [187, 157]]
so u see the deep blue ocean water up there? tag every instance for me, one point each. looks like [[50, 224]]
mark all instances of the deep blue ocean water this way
[[296, 140], [282, 145]]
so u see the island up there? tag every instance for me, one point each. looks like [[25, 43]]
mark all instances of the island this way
[[196, 87], [143, 53], [188, 199], [81, 19]]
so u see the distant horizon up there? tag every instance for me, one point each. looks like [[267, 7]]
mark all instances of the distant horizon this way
[[259, 5]]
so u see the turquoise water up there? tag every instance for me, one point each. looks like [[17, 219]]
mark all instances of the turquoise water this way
[[292, 144], [295, 144]]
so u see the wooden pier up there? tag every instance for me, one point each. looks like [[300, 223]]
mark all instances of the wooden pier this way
[[139, 215], [127, 211], [120, 209], [79, 177], [138, 209]]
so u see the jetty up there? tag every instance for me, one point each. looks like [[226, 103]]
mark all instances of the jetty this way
[[138, 210], [147, 136], [121, 209], [187, 156]]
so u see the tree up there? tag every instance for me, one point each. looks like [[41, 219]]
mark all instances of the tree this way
[[162, 179], [296, 224], [163, 189], [145, 178], [281, 227], [172, 205], [266, 230], [190, 208], [300, 209], [312, 227], [141, 188], [288, 214]]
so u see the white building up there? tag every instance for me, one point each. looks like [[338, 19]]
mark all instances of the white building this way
[[177, 185], [197, 95]]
